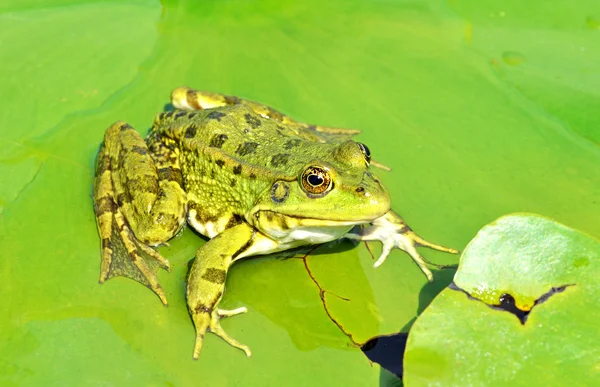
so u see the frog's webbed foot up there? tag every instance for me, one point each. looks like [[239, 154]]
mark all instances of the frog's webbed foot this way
[[124, 255], [393, 232]]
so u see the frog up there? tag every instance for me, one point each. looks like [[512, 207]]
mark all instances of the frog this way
[[248, 177]]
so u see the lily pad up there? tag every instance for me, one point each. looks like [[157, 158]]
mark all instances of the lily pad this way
[[523, 309], [425, 82]]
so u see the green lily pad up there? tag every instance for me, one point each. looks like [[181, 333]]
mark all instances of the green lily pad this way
[[523, 309], [426, 81]]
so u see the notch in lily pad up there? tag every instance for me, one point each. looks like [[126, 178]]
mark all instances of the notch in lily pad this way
[[525, 266]]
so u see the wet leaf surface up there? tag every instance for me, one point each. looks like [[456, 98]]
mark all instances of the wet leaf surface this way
[[443, 96]]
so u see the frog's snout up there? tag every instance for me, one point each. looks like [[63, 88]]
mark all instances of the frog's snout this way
[[373, 194]]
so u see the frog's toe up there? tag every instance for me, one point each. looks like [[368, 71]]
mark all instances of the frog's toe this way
[[217, 330], [393, 232], [204, 323], [228, 313], [408, 241]]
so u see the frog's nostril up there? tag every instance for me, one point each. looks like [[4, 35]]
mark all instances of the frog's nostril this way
[[360, 190]]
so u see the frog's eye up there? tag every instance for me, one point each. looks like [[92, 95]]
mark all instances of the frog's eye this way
[[316, 181], [365, 151]]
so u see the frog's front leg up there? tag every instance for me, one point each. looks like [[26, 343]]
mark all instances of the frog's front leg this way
[[206, 281], [393, 232], [139, 202]]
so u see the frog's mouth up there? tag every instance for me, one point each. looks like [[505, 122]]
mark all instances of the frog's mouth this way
[[301, 230]]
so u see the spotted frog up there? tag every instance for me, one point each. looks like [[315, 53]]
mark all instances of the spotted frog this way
[[251, 179]]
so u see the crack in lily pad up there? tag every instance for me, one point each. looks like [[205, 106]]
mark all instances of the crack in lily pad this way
[[322, 293]]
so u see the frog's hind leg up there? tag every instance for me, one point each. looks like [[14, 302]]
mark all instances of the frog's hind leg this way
[[138, 203], [190, 99], [206, 283]]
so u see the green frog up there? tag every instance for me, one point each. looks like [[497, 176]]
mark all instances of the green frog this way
[[248, 177]]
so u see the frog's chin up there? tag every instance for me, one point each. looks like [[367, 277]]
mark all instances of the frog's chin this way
[[296, 230]]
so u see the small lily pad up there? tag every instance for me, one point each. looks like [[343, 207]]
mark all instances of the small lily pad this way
[[523, 309]]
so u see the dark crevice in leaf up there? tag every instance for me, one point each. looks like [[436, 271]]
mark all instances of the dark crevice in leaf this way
[[322, 293], [387, 351], [507, 301]]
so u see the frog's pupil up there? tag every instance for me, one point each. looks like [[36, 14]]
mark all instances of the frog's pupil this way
[[315, 180]]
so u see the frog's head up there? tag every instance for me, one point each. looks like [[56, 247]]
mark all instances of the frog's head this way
[[329, 194]]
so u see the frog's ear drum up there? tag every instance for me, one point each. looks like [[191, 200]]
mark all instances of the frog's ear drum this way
[[316, 181]]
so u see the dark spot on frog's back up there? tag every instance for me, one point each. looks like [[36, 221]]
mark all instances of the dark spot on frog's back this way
[[191, 130], [220, 163], [280, 159], [237, 169], [253, 121], [292, 143], [216, 115], [218, 140], [216, 276], [246, 148]]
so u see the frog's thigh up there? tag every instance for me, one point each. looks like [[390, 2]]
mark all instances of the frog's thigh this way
[[147, 186], [206, 281]]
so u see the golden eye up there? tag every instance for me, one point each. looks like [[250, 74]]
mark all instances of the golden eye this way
[[365, 151], [316, 181]]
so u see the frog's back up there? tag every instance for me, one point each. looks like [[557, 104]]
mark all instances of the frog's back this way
[[242, 134], [229, 155]]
